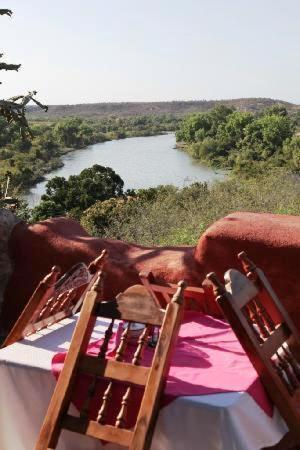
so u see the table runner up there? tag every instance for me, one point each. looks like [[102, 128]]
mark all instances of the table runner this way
[[207, 359]]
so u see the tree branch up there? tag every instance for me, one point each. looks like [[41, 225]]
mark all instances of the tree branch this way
[[14, 108], [7, 12], [15, 112], [4, 66]]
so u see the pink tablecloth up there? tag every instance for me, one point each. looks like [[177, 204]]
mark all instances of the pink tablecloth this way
[[207, 359]]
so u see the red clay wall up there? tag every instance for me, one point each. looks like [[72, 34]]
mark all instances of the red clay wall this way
[[272, 241]]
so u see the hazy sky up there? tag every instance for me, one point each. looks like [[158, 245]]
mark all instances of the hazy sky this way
[[75, 51]]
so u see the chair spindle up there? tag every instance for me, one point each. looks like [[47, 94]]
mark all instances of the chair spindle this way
[[137, 357]]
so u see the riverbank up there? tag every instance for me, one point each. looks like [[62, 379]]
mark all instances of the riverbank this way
[[142, 162], [29, 161], [244, 142], [59, 163]]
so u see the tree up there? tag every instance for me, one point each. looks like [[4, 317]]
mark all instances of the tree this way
[[227, 138], [195, 127], [45, 210], [97, 218], [277, 110], [191, 125], [217, 116], [79, 192], [230, 132], [291, 153], [206, 150], [266, 134], [67, 132], [14, 108]]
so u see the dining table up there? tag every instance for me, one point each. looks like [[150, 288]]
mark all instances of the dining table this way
[[213, 421]]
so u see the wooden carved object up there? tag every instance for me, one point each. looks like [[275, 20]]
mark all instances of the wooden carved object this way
[[121, 418], [134, 305], [106, 399], [84, 412], [163, 293], [54, 299], [40, 296], [137, 358], [123, 343], [102, 414], [107, 336], [248, 302]]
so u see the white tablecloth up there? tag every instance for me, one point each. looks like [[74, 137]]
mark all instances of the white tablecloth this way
[[231, 421]]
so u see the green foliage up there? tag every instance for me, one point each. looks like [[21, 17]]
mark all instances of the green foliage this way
[[131, 126], [171, 216], [240, 140], [96, 219], [74, 132], [266, 134], [278, 110], [28, 160], [205, 150], [192, 128], [47, 209], [291, 153], [79, 192], [232, 130]]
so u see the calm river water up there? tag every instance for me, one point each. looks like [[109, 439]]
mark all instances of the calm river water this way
[[141, 162]]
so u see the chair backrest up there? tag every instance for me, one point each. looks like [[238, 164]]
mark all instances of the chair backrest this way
[[163, 292], [54, 299], [134, 305], [267, 335]]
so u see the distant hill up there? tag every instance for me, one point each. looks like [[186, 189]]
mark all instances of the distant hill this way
[[178, 108]]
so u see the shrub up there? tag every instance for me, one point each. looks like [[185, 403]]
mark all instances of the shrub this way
[[173, 216]]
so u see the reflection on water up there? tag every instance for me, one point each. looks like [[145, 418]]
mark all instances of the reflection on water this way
[[141, 162]]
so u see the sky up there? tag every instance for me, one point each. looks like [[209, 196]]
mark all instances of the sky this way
[[139, 50]]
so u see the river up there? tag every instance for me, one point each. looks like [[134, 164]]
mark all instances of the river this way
[[141, 162]]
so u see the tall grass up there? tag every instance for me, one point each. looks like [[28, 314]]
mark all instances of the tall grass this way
[[173, 216]]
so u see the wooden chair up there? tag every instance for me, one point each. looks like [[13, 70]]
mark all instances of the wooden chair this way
[[252, 308], [54, 300], [162, 293], [134, 305]]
